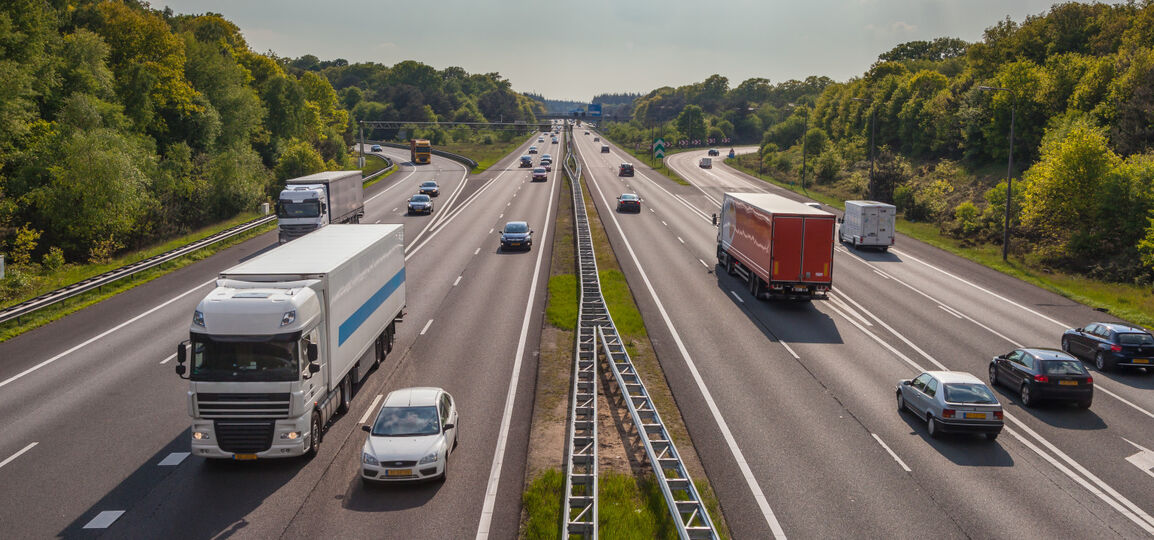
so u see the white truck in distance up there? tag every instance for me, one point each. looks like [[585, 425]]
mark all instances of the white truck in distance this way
[[868, 224], [311, 202], [275, 349]]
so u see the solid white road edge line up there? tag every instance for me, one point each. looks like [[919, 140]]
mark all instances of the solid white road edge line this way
[[104, 519], [507, 415], [369, 411], [892, 453], [102, 334], [1106, 493], [737, 297], [17, 454], [174, 459], [738, 456]]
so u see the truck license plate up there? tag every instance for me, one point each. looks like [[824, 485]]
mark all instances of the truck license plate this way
[[244, 457], [399, 472]]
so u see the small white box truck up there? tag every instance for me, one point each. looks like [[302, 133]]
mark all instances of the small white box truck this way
[[311, 202], [275, 349], [868, 224]]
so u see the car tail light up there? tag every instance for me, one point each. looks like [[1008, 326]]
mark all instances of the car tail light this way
[[948, 413], [1116, 348], [998, 415], [1041, 379], [1089, 380]]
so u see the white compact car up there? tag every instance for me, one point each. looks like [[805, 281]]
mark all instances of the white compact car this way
[[411, 438]]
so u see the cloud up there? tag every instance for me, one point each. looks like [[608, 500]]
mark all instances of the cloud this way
[[895, 29]]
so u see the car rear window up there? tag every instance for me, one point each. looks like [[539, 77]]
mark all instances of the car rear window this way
[[1063, 367], [1135, 338], [428, 184], [969, 393]]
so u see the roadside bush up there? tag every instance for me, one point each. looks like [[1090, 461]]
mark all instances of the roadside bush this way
[[967, 219], [53, 260], [828, 166]]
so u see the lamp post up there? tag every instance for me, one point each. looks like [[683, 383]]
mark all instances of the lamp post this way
[[1009, 166], [873, 142], [804, 132]]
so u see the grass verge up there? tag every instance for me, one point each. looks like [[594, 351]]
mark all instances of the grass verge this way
[[374, 163], [79, 273], [485, 154], [1126, 301]]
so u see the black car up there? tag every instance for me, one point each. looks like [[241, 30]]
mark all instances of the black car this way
[[526, 161], [420, 204], [626, 169], [628, 202], [430, 188], [714, 152], [517, 235], [1043, 374], [1111, 345]]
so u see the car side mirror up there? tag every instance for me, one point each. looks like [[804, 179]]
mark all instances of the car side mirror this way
[[449, 426], [367, 428], [1077, 329], [312, 352], [905, 383]]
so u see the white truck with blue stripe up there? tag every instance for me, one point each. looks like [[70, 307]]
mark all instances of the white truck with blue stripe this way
[[275, 350]]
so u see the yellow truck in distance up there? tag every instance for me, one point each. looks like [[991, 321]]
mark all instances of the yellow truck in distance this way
[[420, 150]]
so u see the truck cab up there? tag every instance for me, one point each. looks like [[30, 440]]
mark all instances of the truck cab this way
[[301, 209]]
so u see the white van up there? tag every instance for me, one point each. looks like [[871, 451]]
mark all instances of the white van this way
[[868, 224], [705, 163]]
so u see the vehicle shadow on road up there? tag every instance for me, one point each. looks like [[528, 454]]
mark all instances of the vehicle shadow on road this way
[[1133, 377], [1057, 414], [793, 321], [260, 251], [217, 496], [389, 497], [964, 449], [872, 255]]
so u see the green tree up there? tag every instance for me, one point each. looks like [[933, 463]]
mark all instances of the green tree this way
[[298, 159], [691, 122]]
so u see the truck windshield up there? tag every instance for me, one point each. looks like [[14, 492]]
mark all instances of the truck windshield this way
[[263, 360], [304, 209]]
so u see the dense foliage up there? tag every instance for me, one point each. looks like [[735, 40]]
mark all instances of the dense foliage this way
[[122, 125]]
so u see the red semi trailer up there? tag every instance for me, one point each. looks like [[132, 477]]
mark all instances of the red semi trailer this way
[[782, 248]]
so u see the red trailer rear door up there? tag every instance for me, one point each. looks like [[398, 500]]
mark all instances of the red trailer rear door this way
[[785, 251], [818, 261]]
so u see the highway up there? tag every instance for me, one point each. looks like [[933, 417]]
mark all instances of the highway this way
[[791, 405], [96, 427]]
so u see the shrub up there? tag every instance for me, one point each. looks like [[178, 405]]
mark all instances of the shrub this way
[[53, 260]]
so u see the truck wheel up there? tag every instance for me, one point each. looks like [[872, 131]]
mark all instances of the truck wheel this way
[[754, 285], [346, 391], [314, 435], [729, 266]]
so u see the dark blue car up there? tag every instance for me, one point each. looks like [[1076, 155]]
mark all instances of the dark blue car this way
[[1111, 345]]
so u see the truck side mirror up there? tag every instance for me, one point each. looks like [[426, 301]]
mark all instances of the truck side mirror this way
[[841, 220], [181, 357], [180, 371], [312, 352], [314, 368], [324, 208], [714, 219]]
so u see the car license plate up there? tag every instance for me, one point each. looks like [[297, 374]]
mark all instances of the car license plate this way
[[244, 457], [399, 472], [978, 415], [1141, 360], [1068, 383]]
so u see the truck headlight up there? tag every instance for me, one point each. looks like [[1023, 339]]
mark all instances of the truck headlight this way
[[290, 435], [198, 318], [369, 459], [201, 435], [288, 318], [431, 458]]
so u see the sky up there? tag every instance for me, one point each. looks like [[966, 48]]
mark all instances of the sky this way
[[575, 50]]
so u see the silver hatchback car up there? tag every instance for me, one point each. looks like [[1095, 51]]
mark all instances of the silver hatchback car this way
[[952, 402]]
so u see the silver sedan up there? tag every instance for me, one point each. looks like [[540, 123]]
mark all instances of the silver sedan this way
[[951, 402]]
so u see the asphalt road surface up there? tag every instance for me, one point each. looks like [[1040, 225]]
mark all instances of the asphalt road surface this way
[[792, 406]]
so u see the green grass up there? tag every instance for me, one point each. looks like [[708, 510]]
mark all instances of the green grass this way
[[619, 299], [542, 503], [1126, 301], [78, 273], [631, 509], [374, 163], [561, 310], [484, 154]]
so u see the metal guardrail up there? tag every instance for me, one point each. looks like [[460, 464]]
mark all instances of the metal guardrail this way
[[95, 282], [581, 515], [595, 326], [455, 157]]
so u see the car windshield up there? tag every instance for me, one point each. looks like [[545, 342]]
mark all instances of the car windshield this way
[[244, 358], [629, 197], [429, 185], [420, 198], [969, 393], [305, 209], [1063, 367], [516, 228], [539, 170], [407, 422], [1135, 338]]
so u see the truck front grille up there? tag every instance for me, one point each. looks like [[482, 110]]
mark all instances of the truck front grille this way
[[296, 231], [244, 436], [243, 405]]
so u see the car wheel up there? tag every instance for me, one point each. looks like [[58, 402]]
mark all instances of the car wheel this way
[[1027, 398], [932, 427], [314, 435], [901, 403], [1101, 363], [729, 265], [992, 436], [993, 375], [754, 286], [445, 472]]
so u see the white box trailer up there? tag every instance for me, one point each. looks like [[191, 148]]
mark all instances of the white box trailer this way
[[868, 224], [276, 348]]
